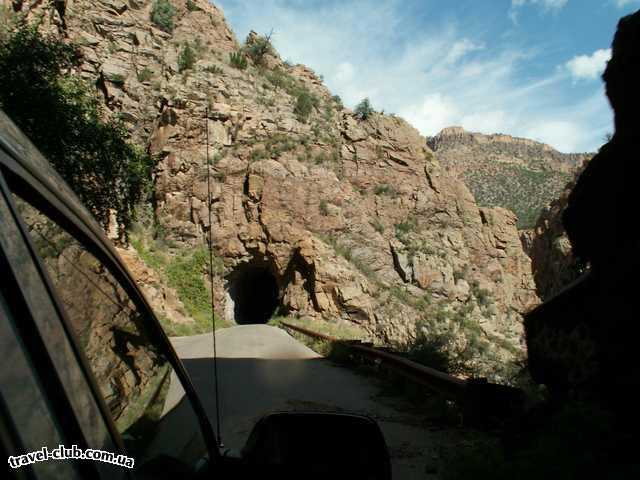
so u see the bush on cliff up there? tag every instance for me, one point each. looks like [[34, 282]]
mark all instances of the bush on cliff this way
[[238, 60], [162, 14], [364, 109], [61, 114], [187, 58], [259, 48], [305, 103]]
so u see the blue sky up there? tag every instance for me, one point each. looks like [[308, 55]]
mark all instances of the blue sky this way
[[528, 68]]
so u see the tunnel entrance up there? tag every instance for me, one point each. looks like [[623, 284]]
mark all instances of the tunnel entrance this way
[[254, 292]]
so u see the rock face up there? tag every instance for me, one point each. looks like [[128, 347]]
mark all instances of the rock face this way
[[552, 261], [351, 220], [515, 173]]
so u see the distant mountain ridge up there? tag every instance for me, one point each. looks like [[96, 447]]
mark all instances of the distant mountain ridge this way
[[519, 174]]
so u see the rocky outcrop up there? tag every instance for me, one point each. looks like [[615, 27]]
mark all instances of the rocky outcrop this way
[[515, 173], [552, 261], [353, 220]]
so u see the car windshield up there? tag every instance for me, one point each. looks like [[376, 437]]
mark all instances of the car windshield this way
[[416, 211]]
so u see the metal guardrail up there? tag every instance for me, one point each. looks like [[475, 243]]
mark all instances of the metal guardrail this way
[[479, 399], [443, 383]]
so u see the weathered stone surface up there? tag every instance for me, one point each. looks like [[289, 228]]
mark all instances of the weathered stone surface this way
[[552, 262]]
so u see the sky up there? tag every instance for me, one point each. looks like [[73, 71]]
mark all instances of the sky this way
[[528, 68]]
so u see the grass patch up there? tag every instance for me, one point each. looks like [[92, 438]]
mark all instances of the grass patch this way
[[333, 329], [214, 69], [145, 75], [346, 252], [385, 189], [185, 272], [238, 60]]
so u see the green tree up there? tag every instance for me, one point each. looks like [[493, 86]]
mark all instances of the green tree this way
[[186, 59], [163, 14], [62, 116], [364, 109]]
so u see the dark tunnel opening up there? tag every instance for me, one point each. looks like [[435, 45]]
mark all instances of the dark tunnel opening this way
[[255, 294]]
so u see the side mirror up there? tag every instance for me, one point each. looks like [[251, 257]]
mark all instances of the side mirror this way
[[319, 445]]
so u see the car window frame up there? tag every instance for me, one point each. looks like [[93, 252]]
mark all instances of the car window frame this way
[[61, 206], [35, 329]]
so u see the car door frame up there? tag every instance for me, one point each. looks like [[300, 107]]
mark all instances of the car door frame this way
[[25, 172]]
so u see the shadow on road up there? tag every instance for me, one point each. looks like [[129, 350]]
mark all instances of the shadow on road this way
[[252, 387]]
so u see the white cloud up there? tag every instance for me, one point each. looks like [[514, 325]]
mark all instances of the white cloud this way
[[624, 3], [589, 67], [546, 4], [433, 113], [434, 77], [553, 6], [461, 48]]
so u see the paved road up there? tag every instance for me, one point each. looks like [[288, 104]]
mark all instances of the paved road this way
[[263, 369]]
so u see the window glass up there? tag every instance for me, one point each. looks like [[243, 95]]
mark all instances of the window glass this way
[[23, 397], [140, 388]]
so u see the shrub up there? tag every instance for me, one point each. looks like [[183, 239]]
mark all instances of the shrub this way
[[324, 208], [284, 81], [62, 115], [385, 189], [191, 6], [199, 47], [186, 59], [117, 78], [216, 70], [364, 109], [304, 105], [278, 144], [482, 295], [259, 48], [145, 75], [408, 225], [344, 251], [279, 79], [238, 60], [458, 275], [430, 350], [259, 153], [377, 226], [163, 14]]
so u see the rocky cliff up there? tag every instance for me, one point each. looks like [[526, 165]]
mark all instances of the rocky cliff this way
[[315, 212], [515, 173], [552, 261]]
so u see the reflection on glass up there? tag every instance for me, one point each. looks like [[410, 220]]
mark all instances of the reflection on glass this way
[[137, 382]]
